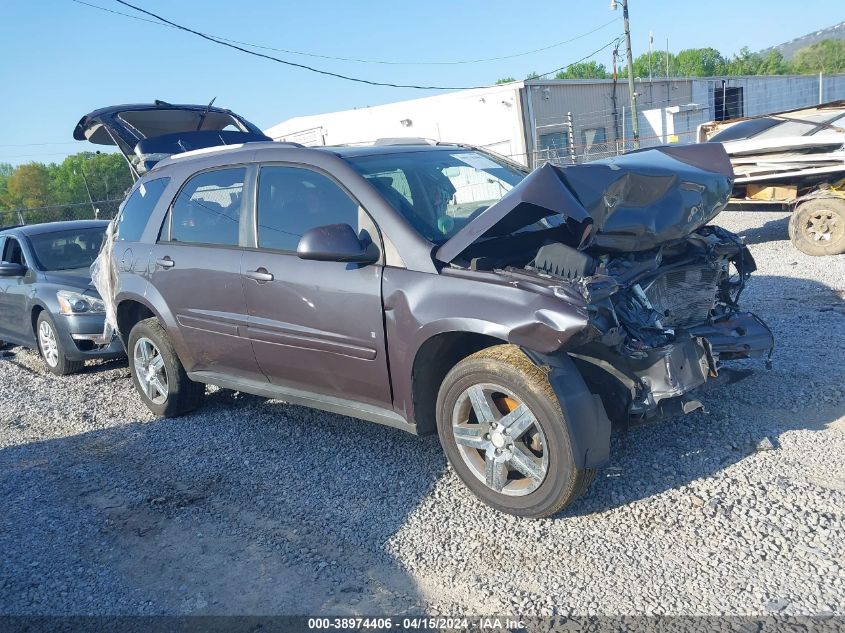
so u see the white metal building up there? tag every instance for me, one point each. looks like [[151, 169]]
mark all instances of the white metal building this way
[[565, 120]]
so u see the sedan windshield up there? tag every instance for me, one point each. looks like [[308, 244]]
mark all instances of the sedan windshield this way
[[438, 191], [66, 250]]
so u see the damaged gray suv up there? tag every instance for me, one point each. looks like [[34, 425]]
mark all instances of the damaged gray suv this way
[[432, 288]]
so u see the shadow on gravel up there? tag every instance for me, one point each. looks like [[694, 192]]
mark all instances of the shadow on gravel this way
[[247, 506], [771, 231], [9, 353], [804, 390]]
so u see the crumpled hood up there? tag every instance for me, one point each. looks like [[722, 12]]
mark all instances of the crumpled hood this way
[[631, 202]]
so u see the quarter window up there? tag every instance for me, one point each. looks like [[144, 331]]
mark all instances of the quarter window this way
[[208, 209], [292, 201], [138, 208]]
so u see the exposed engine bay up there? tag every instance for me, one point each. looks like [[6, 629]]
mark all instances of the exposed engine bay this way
[[662, 320]]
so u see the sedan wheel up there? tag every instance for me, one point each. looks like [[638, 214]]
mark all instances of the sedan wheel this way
[[499, 440], [150, 370], [48, 344]]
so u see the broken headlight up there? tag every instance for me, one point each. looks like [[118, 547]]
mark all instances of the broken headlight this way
[[78, 303]]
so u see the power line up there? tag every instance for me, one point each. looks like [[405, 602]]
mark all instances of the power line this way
[[326, 72], [360, 60], [290, 63]]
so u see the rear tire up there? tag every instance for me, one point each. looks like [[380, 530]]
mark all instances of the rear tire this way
[[158, 374], [817, 226], [513, 448], [50, 347]]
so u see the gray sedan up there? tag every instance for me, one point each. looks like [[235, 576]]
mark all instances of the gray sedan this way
[[47, 300]]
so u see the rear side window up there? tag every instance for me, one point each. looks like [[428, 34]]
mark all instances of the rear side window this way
[[292, 200], [138, 208], [208, 209]]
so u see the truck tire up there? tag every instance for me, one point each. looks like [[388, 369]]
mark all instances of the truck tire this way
[[503, 431], [817, 226]]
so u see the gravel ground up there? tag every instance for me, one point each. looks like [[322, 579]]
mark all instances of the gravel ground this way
[[254, 506]]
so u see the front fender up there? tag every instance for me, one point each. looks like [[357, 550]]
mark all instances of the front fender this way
[[586, 419], [419, 306]]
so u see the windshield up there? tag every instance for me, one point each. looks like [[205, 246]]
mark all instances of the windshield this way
[[66, 250], [438, 192]]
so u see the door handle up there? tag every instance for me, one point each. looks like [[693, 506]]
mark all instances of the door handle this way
[[260, 274], [165, 262]]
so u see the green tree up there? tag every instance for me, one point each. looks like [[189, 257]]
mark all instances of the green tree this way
[[657, 64], [700, 62], [583, 70], [5, 171], [773, 63], [505, 80], [532, 75], [827, 56], [107, 176], [29, 186]]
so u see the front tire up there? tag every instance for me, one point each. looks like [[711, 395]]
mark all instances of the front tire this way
[[503, 431], [158, 374], [50, 347]]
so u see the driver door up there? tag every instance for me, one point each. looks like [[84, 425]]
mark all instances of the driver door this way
[[317, 326]]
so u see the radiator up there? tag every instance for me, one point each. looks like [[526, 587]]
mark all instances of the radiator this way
[[684, 297]]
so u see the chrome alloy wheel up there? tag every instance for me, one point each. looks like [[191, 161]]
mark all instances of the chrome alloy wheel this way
[[500, 440], [49, 345], [150, 370]]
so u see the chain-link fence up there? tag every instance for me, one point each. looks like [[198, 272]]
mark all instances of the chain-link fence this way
[[98, 209]]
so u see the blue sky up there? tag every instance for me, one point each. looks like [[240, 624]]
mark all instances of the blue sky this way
[[62, 59]]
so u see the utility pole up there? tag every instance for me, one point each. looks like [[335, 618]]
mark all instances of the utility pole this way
[[635, 127]]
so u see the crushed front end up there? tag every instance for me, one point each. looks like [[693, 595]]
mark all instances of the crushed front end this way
[[663, 322]]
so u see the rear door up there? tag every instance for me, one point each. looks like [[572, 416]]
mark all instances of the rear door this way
[[314, 325], [196, 267]]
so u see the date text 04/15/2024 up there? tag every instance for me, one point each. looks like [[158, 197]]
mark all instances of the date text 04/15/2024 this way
[[415, 623]]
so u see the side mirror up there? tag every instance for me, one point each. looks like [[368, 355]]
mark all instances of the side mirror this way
[[336, 243], [8, 269]]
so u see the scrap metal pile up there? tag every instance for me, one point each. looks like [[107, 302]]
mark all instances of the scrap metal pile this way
[[791, 158]]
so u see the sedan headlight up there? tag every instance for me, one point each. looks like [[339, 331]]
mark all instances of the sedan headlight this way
[[78, 303]]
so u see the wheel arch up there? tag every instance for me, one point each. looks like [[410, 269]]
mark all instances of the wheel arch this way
[[35, 312], [433, 359], [130, 311]]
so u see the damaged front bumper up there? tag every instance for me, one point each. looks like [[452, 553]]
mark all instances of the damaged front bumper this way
[[660, 381]]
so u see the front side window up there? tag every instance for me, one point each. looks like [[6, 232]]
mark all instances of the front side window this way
[[438, 191], [138, 208], [12, 252], [292, 200], [67, 250], [208, 209]]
